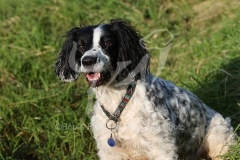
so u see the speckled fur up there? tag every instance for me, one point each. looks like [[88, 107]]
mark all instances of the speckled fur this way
[[160, 122]]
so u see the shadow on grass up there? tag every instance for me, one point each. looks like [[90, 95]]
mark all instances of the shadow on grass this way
[[221, 90]]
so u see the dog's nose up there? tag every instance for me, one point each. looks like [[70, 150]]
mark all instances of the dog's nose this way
[[89, 60]]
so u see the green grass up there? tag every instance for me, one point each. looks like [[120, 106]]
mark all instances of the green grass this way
[[33, 103]]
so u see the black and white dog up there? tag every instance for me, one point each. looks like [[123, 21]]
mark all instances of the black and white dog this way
[[136, 115]]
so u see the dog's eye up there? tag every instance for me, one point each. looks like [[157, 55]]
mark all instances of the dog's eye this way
[[80, 47], [108, 43]]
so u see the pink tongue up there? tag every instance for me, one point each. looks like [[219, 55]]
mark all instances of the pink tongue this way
[[93, 76]]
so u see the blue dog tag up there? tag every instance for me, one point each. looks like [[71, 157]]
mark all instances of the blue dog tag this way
[[111, 142]]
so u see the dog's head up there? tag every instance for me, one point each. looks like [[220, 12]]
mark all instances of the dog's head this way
[[101, 52]]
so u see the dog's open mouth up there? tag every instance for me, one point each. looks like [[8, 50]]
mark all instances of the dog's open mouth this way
[[96, 79], [91, 76]]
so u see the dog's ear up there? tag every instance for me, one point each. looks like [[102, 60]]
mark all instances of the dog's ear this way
[[131, 47], [66, 67]]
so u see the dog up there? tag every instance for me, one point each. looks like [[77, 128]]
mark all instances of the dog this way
[[136, 115]]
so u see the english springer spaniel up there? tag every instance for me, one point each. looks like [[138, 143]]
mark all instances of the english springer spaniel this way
[[136, 115]]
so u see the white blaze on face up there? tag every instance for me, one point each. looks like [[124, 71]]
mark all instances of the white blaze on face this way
[[97, 32]]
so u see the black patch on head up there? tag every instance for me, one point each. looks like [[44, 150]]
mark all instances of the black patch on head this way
[[130, 47]]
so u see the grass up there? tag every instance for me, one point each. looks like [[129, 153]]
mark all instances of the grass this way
[[40, 118]]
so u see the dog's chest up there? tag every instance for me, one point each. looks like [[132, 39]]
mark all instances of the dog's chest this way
[[128, 133]]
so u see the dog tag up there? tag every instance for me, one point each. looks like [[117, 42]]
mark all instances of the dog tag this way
[[111, 142]]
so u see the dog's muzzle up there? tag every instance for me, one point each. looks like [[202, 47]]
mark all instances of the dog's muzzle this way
[[93, 66]]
